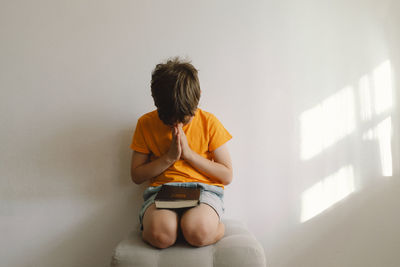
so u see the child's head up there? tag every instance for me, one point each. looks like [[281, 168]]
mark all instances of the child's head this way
[[175, 88]]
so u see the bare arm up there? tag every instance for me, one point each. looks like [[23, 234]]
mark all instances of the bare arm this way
[[219, 170], [142, 169]]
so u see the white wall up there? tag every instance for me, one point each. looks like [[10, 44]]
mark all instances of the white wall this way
[[289, 79]]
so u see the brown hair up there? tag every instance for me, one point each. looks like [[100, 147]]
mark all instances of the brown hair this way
[[175, 88]]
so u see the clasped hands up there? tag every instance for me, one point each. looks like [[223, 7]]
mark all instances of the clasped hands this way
[[179, 148]]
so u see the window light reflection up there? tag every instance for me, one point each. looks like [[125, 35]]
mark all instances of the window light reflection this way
[[327, 192], [383, 134], [365, 98], [332, 120], [383, 92], [327, 123]]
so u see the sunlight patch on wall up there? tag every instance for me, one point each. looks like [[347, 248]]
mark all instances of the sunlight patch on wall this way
[[366, 107], [383, 134], [376, 98], [327, 192], [327, 123], [376, 91], [383, 93], [332, 120]]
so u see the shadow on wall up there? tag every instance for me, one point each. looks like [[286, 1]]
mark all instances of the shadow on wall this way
[[362, 231], [362, 112], [348, 217]]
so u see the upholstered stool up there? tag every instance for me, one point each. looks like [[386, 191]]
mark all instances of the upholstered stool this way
[[238, 248]]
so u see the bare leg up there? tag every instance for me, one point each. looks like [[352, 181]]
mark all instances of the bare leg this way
[[160, 227], [201, 226]]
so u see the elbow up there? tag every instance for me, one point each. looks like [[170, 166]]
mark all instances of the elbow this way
[[228, 177], [135, 178], [136, 181]]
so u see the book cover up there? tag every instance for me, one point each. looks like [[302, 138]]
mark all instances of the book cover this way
[[175, 197]]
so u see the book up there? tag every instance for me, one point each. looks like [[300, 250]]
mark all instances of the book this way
[[176, 197]]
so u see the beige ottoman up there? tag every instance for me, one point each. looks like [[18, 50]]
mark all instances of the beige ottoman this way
[[238, 248]]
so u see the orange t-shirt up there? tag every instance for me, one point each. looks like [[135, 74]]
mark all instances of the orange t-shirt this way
[[204, 133]]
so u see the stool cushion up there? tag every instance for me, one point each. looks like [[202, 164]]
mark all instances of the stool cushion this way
[[237, 248]]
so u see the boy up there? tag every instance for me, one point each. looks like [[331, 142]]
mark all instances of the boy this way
[[181, 145]]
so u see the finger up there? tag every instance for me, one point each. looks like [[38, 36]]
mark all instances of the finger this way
[[180, 130], [178, 134], [173, 135]]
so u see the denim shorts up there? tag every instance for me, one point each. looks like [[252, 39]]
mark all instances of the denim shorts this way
[[211, 195]]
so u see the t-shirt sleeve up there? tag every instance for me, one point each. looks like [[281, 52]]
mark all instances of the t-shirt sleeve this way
[[218, 134], [138, 141]]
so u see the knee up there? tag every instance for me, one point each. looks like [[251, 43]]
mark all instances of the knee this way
[[197, 235], [160, 237]]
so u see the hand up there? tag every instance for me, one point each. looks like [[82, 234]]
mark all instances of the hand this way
[[186, 151], [175, 150]]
